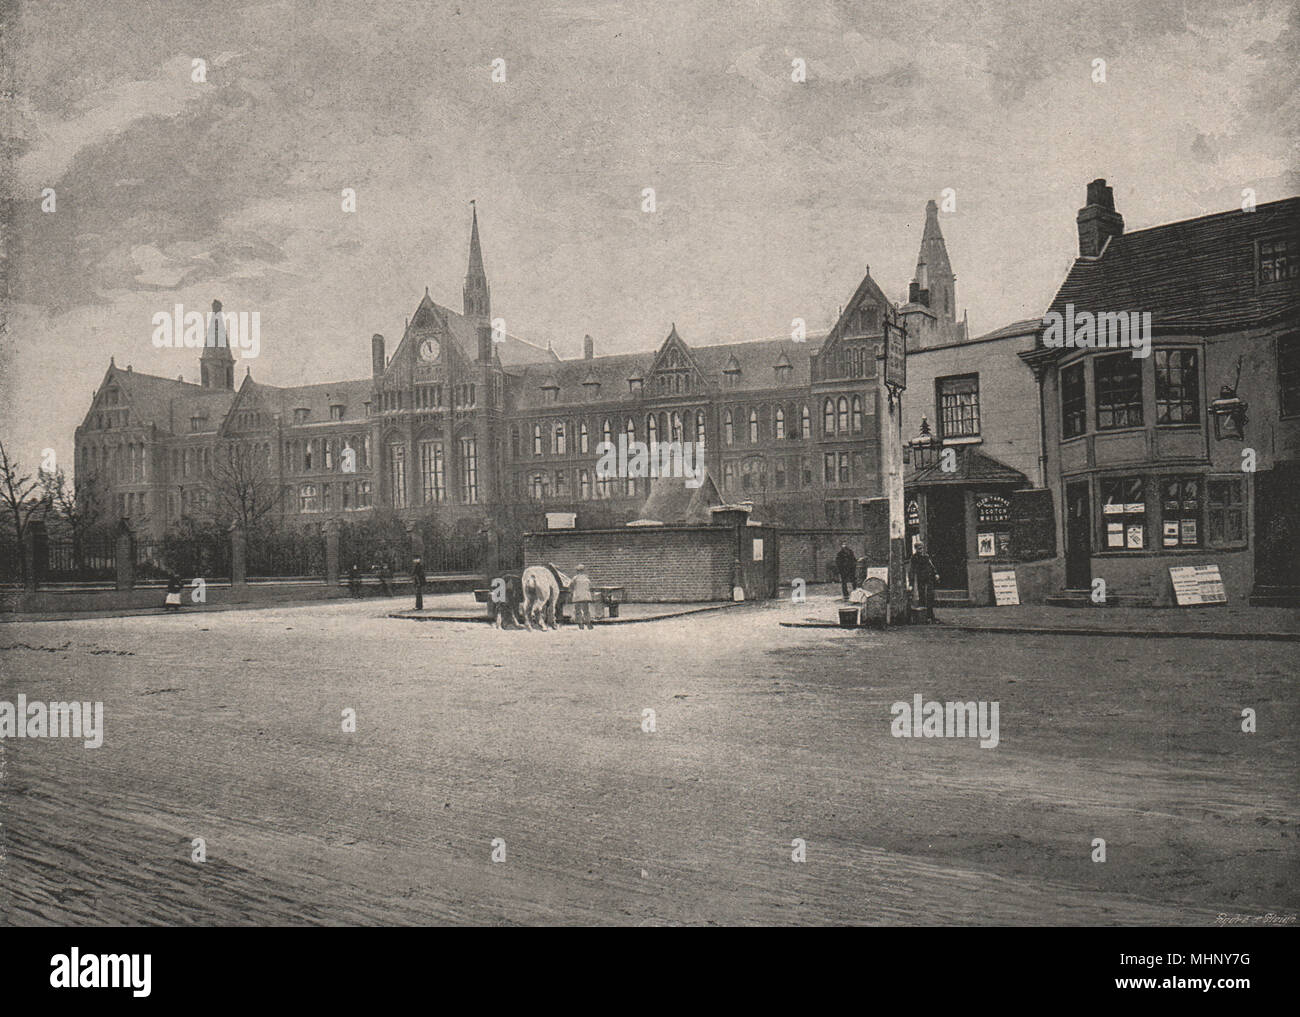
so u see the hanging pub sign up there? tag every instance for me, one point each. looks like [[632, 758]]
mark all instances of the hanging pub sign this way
[[895, 357]]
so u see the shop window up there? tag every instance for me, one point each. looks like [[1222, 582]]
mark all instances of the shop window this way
[[1123, 513], [1180, 512], [1225, 516]]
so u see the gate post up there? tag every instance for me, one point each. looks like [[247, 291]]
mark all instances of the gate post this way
[[124, 556], [36, 555], [238, 562], [331, 529]]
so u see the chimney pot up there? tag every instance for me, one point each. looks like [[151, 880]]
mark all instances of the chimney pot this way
[[1098, 221]]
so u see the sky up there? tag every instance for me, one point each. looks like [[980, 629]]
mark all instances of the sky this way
[[772, 197]]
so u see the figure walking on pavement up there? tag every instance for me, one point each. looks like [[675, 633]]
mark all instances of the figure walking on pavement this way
[[924, 576], [846, 564], [580, 597]]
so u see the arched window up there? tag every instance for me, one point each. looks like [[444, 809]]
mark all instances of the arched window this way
[[778, 424], [728, 429], [584, 485], [629, 428], [753, 427], [307, 499], [857, 414], [608, 432], [805, 424], [651, 429], [514, 442], [843, 406], [561, 440], [828, 417], [584, 441], [699, 426], [676, 434], [537, 439]]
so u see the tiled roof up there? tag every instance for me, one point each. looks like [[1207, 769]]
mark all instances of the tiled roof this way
[[973, 466], [757, 360], [169, 403], [318, 399], [1199, 274]]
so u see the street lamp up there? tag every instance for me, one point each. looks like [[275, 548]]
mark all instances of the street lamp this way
[[923, 445], [1229, 412]]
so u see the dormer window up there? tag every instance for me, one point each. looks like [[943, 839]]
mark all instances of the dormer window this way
[[731, 373], [198, 424], [591, 385], [336, 411], [634, 385], [301, 414]]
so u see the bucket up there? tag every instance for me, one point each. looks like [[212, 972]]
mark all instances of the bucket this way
[[848, 617]]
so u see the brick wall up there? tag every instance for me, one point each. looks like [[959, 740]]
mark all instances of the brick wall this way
[[810, 554], [655, 564]]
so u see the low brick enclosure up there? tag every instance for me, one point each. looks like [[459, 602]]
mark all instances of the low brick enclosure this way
[[668, 564]]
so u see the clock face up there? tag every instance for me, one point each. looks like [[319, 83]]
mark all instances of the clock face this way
[[429, 349]]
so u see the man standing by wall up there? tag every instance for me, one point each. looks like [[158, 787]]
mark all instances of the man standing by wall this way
[[846, 564]]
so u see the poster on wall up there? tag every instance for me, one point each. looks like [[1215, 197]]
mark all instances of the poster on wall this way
[[1134, 536], [758, 549], [1198, 584], [987, 545], [1189, 532], [1171, 534], [1005, 591]]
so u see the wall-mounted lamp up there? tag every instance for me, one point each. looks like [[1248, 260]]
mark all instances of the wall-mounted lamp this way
[[1229, 412]]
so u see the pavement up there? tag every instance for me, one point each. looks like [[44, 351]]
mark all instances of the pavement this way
[[764, 744], [462, 607], [1227, 621]]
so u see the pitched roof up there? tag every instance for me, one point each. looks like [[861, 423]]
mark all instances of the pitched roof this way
[[671, 501], [1199, 274], [756, 358], [973, 466], [168, 403], [511, 350], [317, 399]]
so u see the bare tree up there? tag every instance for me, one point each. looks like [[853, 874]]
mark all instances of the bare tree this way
[[17, 501], [81, 505], [244, 487]]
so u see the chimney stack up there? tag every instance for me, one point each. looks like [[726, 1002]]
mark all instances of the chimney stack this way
[[484, 344], [1097, 220], [588, 347], [377, 354]]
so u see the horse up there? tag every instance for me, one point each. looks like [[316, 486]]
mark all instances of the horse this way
[[511, 607], [541, 594]]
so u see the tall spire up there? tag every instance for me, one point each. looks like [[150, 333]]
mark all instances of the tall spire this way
[[216, 362], [933, 271], [477, 296]]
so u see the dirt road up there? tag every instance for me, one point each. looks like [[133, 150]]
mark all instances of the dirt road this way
[[228, 727]]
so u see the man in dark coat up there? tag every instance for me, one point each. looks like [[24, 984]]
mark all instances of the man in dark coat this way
[[417, 576], [846, 564], [924, 576]]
